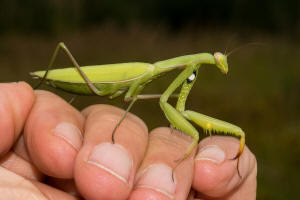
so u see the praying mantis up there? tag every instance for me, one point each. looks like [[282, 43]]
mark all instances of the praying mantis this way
[[115, 79]]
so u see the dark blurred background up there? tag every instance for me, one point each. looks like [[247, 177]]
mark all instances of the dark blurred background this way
[[261, 93]]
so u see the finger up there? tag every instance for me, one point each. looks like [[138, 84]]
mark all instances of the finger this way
[[16, 100], [102, 167], [53, 193], [13, 186], [20, 149], [53, 135], [216, 175], [16, 164], [154, 179], [17, 161]]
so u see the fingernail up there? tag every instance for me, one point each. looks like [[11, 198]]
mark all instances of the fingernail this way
[[70, 133], [212, 153], [157, 177], [112, 158]]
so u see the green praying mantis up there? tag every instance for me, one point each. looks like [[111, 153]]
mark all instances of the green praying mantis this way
[[115, 79]]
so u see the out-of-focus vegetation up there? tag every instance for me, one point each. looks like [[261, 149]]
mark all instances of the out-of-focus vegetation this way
[[56, 16], [261, 92]]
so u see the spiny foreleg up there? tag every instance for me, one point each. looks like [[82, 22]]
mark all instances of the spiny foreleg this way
[[211, 125]]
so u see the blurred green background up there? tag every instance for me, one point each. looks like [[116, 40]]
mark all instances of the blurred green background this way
[[261, 93]]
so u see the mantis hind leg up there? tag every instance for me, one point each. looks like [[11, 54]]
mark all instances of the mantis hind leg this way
[[49, 66], [62, 46], [212, 125]]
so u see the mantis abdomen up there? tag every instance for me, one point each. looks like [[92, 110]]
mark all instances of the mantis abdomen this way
[[110, 79]]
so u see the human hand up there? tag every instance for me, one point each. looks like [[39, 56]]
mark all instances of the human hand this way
[[42, 135]]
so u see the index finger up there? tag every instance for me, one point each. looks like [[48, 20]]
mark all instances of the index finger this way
[[53, 135], [16, 100]]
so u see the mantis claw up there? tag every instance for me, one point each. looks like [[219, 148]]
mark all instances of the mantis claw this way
[[237, 157], [173, 175]]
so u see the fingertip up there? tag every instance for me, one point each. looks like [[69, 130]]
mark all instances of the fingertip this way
[[160, 176], [22, 98], [216, 174], [209, 179], [98, 171], [53, 135], [208, 163], [102, 166], [16, 100], [94, 183]]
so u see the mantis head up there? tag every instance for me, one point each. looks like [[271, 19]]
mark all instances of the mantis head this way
[[221, 62]]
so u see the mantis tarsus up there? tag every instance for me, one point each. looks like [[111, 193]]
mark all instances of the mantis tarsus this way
[[115, 79]]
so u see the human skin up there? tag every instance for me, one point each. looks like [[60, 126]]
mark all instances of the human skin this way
[[42, 136]]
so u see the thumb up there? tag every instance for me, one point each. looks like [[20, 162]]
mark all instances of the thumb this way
[[216, 175]]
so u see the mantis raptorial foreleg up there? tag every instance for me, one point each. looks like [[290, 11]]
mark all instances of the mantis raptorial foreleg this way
[[178, 117], [174, 116], [210, 125], [179, 122]]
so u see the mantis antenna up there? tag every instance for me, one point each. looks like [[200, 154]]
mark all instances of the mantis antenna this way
[[243, 46]]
